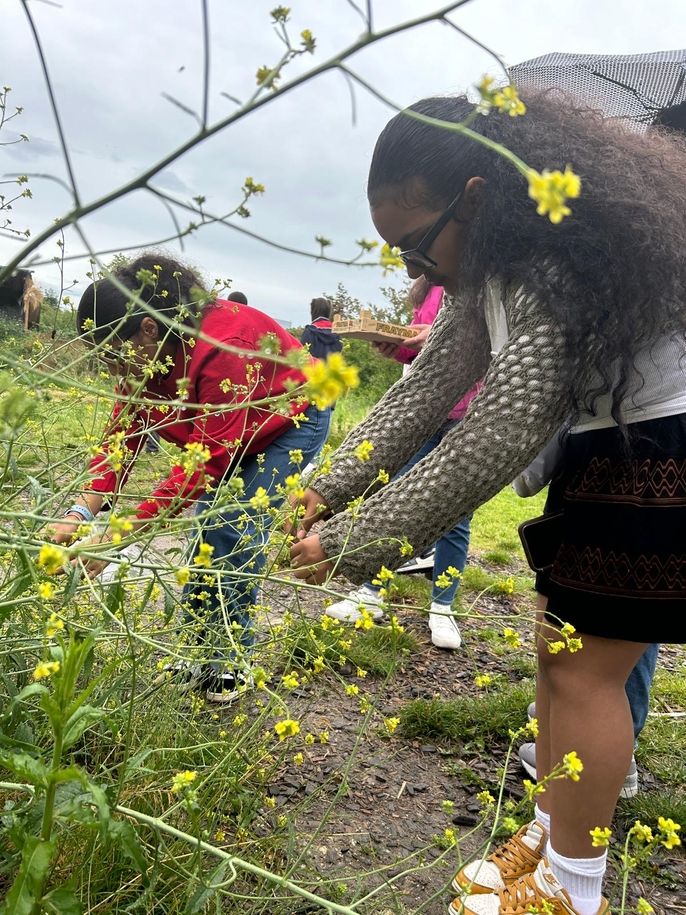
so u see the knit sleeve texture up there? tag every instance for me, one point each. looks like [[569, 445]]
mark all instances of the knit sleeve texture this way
[[525, 397]]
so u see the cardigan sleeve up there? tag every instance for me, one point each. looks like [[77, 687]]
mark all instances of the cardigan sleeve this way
[[526, 395]]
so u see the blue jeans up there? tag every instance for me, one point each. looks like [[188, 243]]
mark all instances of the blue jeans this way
[[451, 549], [239, 536], [638, 687]]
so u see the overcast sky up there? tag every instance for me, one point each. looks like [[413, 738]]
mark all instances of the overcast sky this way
[[111, 62]]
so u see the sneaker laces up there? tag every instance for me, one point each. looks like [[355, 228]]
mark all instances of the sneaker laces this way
[[520, 897], [515, 858]]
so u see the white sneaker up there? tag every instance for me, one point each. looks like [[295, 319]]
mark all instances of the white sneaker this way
[[444, 629], [348, 610]]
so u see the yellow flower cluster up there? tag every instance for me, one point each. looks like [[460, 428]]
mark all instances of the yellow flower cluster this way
[[286, 728], [391, 724], [204, 555], [327, 381], [195, 457], [46, 669], [46, 590], [482, 680], [55, 625], [389, 258], [364, 450], [551, 190], [118, 527], [572, 765], [505, 100], [366, 620], [183, 780], [512, 637], [668, 832], [51, 558], [260, 501], [600, 836]]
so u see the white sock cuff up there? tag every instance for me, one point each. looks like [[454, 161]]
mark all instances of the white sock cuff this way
[[581, 877], [543, 818]]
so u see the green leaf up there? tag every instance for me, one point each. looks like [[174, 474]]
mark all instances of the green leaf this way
[[62, 901], [27, 889], [122, 833], [26, 768], [80, 721], [204, 893]]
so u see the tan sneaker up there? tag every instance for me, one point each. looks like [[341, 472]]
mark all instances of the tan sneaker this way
[[540, 891], [518, 856]]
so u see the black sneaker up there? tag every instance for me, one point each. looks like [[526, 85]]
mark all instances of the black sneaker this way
[[227, 685], [183, 673], [419, 565]]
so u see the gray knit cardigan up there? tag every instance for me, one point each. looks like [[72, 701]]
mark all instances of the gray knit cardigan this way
[[526, 395]]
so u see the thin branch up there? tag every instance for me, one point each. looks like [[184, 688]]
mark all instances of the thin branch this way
[[53, 103], [353, 100], [206, 62], [498, 59], [184, 108], [144, 178]]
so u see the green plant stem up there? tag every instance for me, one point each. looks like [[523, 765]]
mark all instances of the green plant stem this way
[[155, 823], [46, 828]]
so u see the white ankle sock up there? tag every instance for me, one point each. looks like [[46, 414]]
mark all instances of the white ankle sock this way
[[581, 877], [543, 818]]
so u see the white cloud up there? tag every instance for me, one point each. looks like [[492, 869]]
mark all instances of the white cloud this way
[[111, 63]]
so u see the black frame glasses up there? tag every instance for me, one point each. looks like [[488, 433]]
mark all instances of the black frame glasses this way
[[417, 256]]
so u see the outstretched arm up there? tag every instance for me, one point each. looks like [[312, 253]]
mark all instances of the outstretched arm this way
[[526, 395], [454, 358]]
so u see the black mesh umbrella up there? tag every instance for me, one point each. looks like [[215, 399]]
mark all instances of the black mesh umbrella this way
[[642, 88]]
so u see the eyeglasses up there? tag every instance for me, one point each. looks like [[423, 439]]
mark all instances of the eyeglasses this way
[[417, 257]]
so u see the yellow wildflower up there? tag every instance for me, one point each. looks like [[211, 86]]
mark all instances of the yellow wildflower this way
[[286, 728], [643, 907], [512, 637], [365, 621], [298, 759], [204, 555], [46, 590], [51, 558], [641, 832], [324, 737], [309, 739], [352, 690], [668, 832], [46, 669], [391, 724], [389, 258], [364, 450], [551, 190], [600, 836], [55, 625], [182, 576], [572, 765], [290, 681], [183, 780], [327, 381], [485, 798], [260, 501], [482, 680]]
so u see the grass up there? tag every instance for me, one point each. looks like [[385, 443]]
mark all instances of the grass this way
[[472, 719]]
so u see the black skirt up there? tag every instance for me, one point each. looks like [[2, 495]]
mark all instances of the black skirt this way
[[620, 568]]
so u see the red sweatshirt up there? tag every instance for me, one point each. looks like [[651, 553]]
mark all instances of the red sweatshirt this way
[[215, 379]]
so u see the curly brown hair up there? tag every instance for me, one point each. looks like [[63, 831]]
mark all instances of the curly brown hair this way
[[613, 273]]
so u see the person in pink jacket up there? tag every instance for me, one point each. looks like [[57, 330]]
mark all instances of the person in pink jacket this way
[[451, 549]]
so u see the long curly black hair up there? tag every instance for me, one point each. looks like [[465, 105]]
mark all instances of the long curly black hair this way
[[613, 273]]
